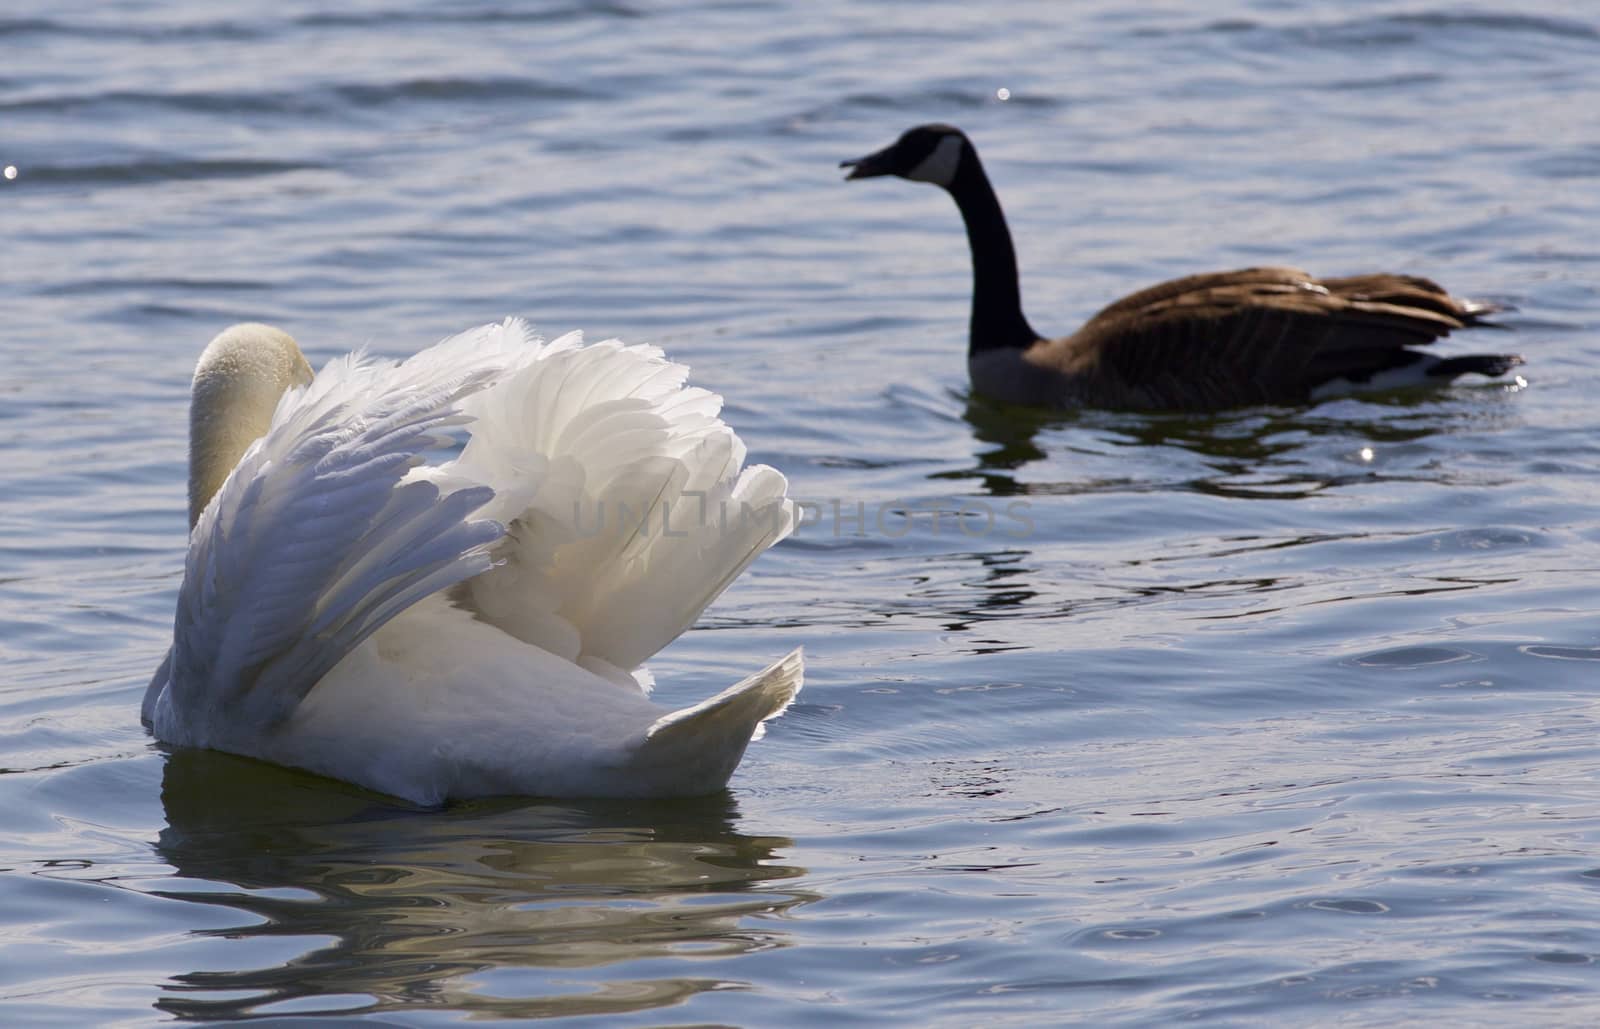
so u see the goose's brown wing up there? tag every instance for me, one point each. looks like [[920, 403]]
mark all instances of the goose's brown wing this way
[[1258, 335]]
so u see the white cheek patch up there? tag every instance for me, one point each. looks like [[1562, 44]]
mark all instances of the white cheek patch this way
[[940, 166]]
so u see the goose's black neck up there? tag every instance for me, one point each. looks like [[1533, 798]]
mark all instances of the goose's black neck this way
[[997, 319]]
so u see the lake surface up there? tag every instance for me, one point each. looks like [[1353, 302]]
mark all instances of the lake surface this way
[[1285, 715]]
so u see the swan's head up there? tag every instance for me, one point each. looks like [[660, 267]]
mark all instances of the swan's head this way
[[927, 153], [237, 384]]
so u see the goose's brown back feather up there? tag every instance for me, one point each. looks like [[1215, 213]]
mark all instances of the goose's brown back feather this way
[[1252, 336]]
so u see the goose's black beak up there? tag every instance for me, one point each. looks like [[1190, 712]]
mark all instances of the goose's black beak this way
[[867, 167]]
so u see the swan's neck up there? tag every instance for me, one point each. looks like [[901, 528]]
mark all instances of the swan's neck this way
[[997, 319], [237, 385]]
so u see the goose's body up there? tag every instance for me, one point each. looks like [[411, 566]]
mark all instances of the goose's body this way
[[473, 626], [1205, 342]]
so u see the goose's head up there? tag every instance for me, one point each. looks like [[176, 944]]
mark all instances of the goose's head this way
[[237, 384], [927, 153]]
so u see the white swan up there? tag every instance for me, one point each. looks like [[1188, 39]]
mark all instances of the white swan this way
[[471, 626]]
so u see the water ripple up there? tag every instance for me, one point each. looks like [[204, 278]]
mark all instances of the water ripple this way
[[145, 170]]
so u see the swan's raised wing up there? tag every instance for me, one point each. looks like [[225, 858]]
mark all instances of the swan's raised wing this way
[[627, 504], [322, 533]]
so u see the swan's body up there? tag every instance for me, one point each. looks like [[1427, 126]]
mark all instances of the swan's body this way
[[1205, 342], [474, 626]]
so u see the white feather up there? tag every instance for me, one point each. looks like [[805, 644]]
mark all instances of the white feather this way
[[463, 627], [942, 163]]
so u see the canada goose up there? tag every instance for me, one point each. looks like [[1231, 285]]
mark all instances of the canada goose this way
[[1200, 343], [475, 625]]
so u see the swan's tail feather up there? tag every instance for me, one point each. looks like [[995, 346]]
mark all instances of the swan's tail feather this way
[[697, 748]]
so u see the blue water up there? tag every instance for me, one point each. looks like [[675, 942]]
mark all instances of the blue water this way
[[1284, 715]]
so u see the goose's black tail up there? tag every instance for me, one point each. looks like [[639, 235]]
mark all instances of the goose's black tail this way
[[1490, 365]]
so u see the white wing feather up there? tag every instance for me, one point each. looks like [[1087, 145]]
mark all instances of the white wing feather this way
[[627, 506], [322, 533]]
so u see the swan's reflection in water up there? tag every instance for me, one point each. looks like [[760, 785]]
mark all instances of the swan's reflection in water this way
[[470, 909]]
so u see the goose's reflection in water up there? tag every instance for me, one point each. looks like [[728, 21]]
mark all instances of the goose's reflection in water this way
[[1262, 453], [514, 908]]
